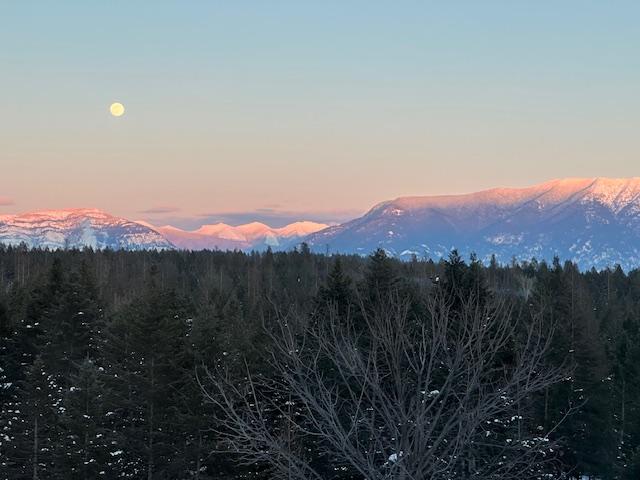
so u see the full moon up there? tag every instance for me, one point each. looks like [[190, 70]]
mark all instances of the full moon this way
[[116, 109]]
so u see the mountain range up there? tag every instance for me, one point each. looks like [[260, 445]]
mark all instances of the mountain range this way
[[250, 236], [78, 228], [594, 222]]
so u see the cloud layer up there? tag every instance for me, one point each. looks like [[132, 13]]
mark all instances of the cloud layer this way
[[159, 210]]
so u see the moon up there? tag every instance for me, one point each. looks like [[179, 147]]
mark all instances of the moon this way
[[116, 109]]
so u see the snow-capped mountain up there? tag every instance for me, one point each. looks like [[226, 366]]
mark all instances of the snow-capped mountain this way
[[251, 236], [592, 221], [77, 228]]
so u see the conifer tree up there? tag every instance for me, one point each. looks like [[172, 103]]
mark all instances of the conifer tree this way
[[454, 282], [380, 279], [147, 357], [337, 293], [90, 447], [34, 431]]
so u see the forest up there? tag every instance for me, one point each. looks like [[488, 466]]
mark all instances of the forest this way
[[295, 365]]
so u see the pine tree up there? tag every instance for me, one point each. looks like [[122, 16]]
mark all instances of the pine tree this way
[[90, 447], [337, 293], [625, 400], [68, 325], [454, 282], [34, 431], [9, 361], [147, 358], [381, 279]]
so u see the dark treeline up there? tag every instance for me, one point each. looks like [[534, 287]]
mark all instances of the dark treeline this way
[[111, 362]]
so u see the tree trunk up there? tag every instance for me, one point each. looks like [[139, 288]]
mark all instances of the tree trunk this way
[[622, 410], [150, 431], [198, 459], [35, 448], [546, 408]]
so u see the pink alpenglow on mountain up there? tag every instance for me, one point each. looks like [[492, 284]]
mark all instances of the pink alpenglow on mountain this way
[[253, 235], [594, 222], [78, 228]]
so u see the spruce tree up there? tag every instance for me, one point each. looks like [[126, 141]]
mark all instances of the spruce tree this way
[[90, 447], [34, 431], [337, 293], [381, 279], [146, 358]]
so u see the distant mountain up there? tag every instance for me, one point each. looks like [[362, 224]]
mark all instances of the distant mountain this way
[[592, 221], [77, 228], [251, 236]]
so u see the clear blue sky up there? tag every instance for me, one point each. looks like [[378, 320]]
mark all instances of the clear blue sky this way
[[278, 110]]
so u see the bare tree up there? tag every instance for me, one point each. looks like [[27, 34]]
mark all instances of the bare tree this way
[[385, 394], [526, 285]]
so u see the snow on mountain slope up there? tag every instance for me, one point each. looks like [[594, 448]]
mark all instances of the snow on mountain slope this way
[[592, 221], [203, 238], [253, 235], [220, 230], [300, 229], [77, 228]]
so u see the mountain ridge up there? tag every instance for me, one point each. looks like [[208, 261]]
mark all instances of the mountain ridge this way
[[91, 227], [78, 228], [592, 221], [253, 235]]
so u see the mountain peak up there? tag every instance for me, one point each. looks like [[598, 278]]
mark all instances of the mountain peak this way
[[557, 190], [62, 213], [78, 228], [592, 221], [249, 235], [301, 228]]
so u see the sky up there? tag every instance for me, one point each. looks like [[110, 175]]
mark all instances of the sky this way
[[289, 110]]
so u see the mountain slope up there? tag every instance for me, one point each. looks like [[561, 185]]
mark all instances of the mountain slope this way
[[592, 221], [253, 235], [77, 228]]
